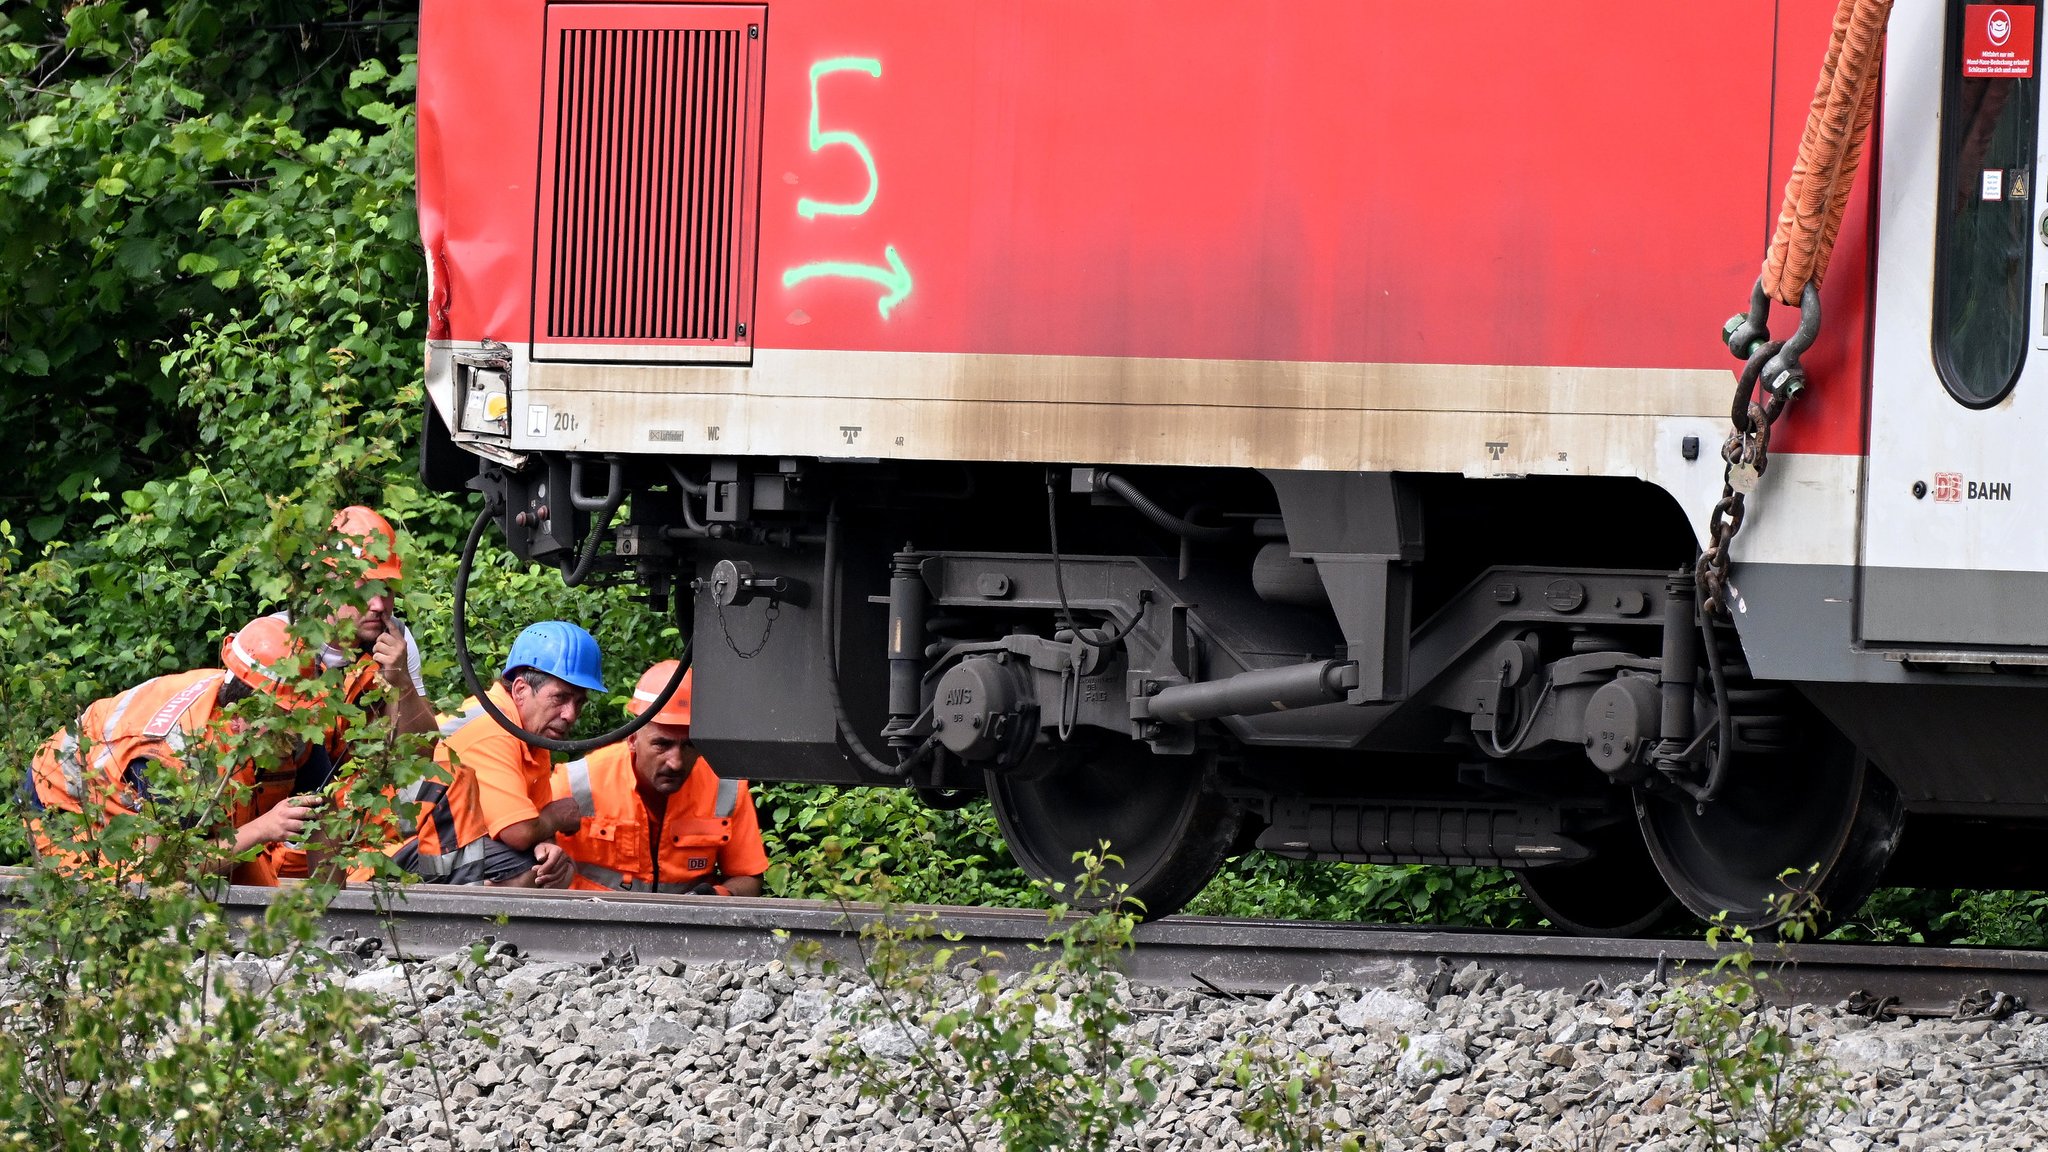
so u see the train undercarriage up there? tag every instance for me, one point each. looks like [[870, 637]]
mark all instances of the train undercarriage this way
[[1189, 664]]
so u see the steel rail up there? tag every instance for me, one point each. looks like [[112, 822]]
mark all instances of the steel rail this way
[[1247, 957]]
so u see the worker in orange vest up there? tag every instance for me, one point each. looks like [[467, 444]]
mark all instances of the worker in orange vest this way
[[362, 634], [122, 746], [491, 817], [380, 658], [656, 818]]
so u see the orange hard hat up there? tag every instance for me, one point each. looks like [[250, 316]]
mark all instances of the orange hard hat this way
[[267, 657], [370, 537], [648, 690]]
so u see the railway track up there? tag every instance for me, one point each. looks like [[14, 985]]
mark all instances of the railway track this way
[[1229, 956]]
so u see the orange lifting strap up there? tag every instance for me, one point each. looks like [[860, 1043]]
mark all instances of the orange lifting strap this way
[[1815, 196], [1829, 151]]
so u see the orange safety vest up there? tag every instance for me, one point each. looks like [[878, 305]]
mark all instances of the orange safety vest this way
[[289, 860], [611, 847], [443, 813], [157, 721]]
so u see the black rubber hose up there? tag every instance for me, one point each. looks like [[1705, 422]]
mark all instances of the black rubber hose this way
[[1724, 723], [828, 619], [483, 698], [1160, 516], [614, 496], [1110, 636]]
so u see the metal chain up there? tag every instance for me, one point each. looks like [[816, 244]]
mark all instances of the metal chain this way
[[1773, 364], [774, 610], [1747, 453]]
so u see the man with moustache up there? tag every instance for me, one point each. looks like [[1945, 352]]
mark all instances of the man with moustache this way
[[655, 817], [362, 634], [492, 817]]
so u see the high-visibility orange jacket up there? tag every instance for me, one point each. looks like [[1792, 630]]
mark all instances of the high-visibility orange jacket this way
[[103, 765], [289, 860], [490, 781], [707, 830]]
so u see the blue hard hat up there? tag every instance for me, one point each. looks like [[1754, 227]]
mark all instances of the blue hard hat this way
[[561, 650]]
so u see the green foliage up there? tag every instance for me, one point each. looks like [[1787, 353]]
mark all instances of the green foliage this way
[[1288, 1097], [1757, 1085], [1051, 1052], [1999, 918], [137, 1016], [131, 1028], [826, 841], [1052, 1048], [146, 155], [1274, 886]]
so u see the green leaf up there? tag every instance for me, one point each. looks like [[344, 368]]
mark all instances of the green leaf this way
[[140, 259]]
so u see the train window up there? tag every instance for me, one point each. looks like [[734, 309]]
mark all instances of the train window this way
[[1990, 106]]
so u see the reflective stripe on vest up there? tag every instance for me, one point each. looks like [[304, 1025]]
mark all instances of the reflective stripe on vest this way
[[728, 798], [433, 867], [599, 874], [406, 802], [579, 787], [453, 724], [617, 881], [165, 722], [73, 767], [108, 731]]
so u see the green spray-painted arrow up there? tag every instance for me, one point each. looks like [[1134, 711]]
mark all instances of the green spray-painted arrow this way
[[895, 277]]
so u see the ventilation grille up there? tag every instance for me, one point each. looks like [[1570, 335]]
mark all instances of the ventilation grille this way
[[648, 145]]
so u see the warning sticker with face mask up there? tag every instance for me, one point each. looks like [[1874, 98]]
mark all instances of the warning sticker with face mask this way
[[1998, 41]]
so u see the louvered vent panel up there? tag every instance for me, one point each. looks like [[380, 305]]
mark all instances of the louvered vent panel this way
[[644, 181]]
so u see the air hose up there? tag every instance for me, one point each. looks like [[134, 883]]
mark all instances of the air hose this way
[[483, 698], [1150, 509], [828, 620]]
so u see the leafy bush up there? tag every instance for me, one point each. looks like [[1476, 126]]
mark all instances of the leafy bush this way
[[1755, 1084], [138, 1016], [1258, 885], [930, 857]]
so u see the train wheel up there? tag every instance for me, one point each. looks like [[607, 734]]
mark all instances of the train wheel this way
[[1157, 812], [1829, 817], [1617, 892]]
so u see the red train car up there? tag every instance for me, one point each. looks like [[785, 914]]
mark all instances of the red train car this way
[[1213, 425]]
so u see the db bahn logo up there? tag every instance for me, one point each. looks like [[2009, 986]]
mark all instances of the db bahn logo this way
[[1951, 488]]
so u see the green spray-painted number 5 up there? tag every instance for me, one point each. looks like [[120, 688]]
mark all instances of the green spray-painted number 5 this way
[[892, 276], [807, 207]]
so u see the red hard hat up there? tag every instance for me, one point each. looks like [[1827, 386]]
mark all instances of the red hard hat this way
[[371, 538], [648, 690], [266, 656]]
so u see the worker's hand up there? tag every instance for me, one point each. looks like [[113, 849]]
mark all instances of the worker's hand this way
[[707, 888], [561, 816], [392, 665], [284, 821], [552, 867]]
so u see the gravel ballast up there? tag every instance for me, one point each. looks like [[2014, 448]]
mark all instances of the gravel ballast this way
[[732, 1056]]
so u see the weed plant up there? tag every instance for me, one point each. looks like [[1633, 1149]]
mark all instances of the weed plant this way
[[1048, 1059], [1756, 1084]]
